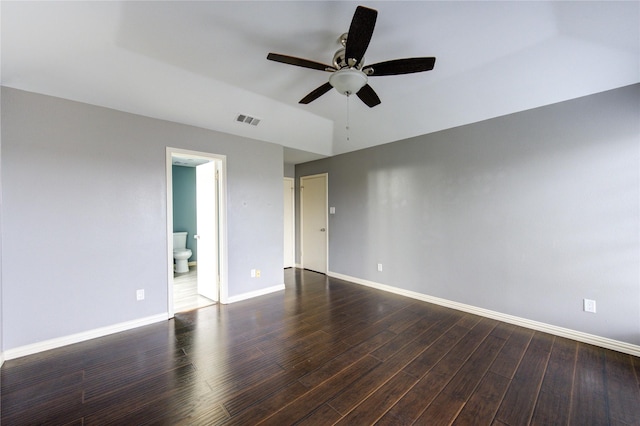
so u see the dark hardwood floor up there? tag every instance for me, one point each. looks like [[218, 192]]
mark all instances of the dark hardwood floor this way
[[322, 352]]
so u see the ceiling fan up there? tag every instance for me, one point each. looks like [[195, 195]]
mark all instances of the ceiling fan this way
[[349, 74]]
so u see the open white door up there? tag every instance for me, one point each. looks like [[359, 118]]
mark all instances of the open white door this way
[[207, 225], [314, 222]]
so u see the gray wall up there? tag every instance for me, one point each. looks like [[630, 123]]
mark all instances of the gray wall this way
[[525, 214], [84, 214], [289, 170], [184, 205]]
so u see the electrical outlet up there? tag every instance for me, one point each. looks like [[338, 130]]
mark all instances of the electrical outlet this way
[[140, 294], [253, 273], [379, 267], [257, 273], [589, 305]]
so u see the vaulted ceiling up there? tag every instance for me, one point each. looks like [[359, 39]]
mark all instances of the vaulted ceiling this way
[[203, 63]]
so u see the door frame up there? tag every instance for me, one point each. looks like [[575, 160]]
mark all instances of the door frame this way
[[292, 196], [221, 161], [326, 205]]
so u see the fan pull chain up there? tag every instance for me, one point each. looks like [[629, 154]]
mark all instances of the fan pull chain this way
[[348, 130]]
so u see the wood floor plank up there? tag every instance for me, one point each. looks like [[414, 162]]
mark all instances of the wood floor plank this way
[[261, 409], [411, 406], [554, 401], [509, 358], [307, 403], [228, 384], [297, 350], [401, 340], [98, 381], [318, 357], [321, 352], [469, 321], [469, 375], [473, 339], [127, 400], [77, 422], [405, 318], [245, 397], [622, 396], [339, 363], [451, 399], [251, 395], [360, 389], [636, 368], [446, 340], [374, 406], [322, 416], [589, 402], [292, 338], [503, 330], [520, 398], [415, 401], [442, 410], [26, 372], [180, 407], [55, 409], [481, 407], [39, 393]]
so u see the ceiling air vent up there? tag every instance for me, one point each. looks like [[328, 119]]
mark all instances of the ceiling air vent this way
[[243, 118]]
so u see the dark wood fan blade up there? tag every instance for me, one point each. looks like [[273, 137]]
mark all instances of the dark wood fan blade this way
[[400, 66], [316, 93], [360, 32], [304, 63], [368, 96]]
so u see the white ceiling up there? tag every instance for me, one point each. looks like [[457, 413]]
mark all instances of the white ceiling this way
[[202, 63]]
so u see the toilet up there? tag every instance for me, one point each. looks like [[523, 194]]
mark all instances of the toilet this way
[[181, 253]]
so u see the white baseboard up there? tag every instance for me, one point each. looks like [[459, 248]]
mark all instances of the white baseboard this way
[[116, 328], [591, 339], [252, 294], [81, 337]]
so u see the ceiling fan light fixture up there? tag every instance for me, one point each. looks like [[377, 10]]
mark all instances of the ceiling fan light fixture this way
[[348, 81]]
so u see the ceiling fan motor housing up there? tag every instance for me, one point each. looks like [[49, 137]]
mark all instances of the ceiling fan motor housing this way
[[340, 60]]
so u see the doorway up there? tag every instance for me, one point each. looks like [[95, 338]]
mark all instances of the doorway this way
[[206, 281], [313, 218]]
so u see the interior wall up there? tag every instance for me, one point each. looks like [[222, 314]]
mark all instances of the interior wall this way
[[526, 214], [289, 170], [85, 216], [184, 205]]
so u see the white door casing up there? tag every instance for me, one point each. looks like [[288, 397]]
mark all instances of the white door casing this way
[[222, 258], [289, 222], [314, 225]]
